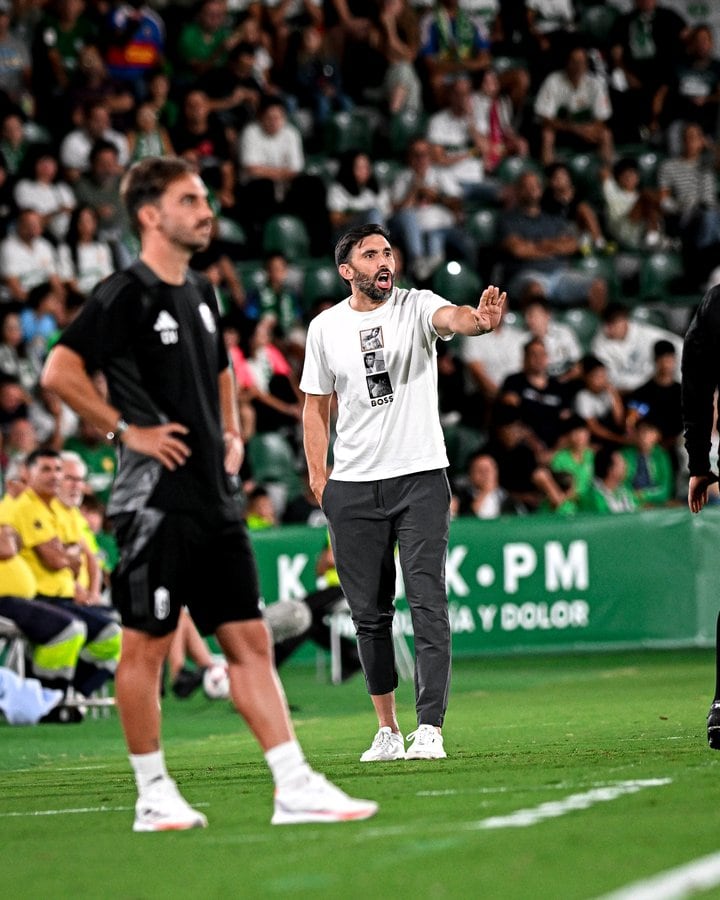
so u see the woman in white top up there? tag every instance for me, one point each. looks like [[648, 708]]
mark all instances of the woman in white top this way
[[40, 191], [355, 198], [89, 259]]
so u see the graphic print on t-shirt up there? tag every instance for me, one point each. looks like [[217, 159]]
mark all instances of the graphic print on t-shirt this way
[[378, 381]]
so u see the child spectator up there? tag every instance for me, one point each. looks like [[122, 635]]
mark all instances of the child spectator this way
[[649, 469], [608, 492], [600, 405], [633, 214]]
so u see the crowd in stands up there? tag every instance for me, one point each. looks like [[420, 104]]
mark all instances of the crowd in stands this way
[[564, 149]]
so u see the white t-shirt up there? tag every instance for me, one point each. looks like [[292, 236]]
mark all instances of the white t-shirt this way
[[500, 353], [76, 146], [562, 347], [453, 133], [382, 364], [47, 199], [558, 92], [630, 361], [30, 263], [429, 215], [340, 200], [281, 151]]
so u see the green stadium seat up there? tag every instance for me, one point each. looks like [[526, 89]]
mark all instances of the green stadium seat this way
[[583, 322], [386, 171], [650, 315], [457, 282], [482, 225], [252, 274], [461, 442], [601, 267], [287, 235], [230, 230], [403, 128], [272, 461], [321, 279], [596, 22], [513, 166], [657, 272], [348, 131]]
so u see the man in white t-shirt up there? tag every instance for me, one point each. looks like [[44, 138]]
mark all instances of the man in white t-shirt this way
[[388, 483], [28, 259]]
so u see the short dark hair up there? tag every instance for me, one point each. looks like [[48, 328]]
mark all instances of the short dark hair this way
[[147, 180], [350, 239], [40, 453], [614, 311], [589, 363], [603, 460], [663, 348]]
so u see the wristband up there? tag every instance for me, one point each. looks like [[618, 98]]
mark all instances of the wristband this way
[[121, 427]]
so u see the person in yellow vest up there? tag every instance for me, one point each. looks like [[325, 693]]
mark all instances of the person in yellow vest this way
[[55, 635], [54, 554]]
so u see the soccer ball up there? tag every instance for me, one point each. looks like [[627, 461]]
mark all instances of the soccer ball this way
[[216, 683]]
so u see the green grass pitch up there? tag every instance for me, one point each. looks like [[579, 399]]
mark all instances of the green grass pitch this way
[[566, 777]]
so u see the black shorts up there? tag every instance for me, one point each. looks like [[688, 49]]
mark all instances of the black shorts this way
[[170, 560]]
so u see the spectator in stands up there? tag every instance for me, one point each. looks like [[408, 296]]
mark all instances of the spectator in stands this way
[[575, 456], [205, 42], [527, 482], [99, 456], [488, 366], [540, 399], [149, 137], [15, 401], [235, 91], [59, 38], [28, 259], [549, 33], [483, 497], [39, 189], [560, 341], [91, 258], [355, 197], [91, 83], [600, 405], [625, 346], [260, 513], [457, 144], [272, 163], [99, 188], [561, 198], [649, 469], [8, 207], [493, 120], [134, 41], [158, 93], [455, 400], [633, 213], [14, 359], [15, 62], [14, 142], [52, 548], [200, 137], [451, 45], [313, 76], [693, 95], [77, 145], [659, 398], [538, 248], [645, 45], [70, 493], [398, 30], [275, 298], [608, 492], [427, 212], [573, 108], [689, 197]]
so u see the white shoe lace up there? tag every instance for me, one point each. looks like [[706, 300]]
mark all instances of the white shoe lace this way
[[382, 739], [423, 736]]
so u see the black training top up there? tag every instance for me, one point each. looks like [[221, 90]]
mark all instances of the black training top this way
[[161, 350], [700, 378]]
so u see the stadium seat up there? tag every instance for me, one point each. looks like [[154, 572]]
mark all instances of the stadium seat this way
[[252, 274], [482, 225], [230, 230], [583, 322], [321, 279], [325, 167], [601, 267], [386, 171], [657, 272], [651, 315], [648, 162], [272, 461], [457, 282], [348, 131], [596, 22], [403, 128], [461, 442], [513, 166], [287, 235]]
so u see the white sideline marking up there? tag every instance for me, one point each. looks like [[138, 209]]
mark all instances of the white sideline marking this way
[[80, 810], [674, 884], [555, 808]]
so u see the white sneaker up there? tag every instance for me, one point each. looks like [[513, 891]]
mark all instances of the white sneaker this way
[[162, 808], [386, 745], [427, 743], [318, 800]]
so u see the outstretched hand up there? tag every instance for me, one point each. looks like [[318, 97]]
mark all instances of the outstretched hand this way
[[489, 309]]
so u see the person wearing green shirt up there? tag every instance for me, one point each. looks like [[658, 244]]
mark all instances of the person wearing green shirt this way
[[576, 456], [649, 468], [608, 492]]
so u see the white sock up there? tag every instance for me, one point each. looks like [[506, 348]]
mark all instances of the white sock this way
[[287, 763], [148, 767]]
